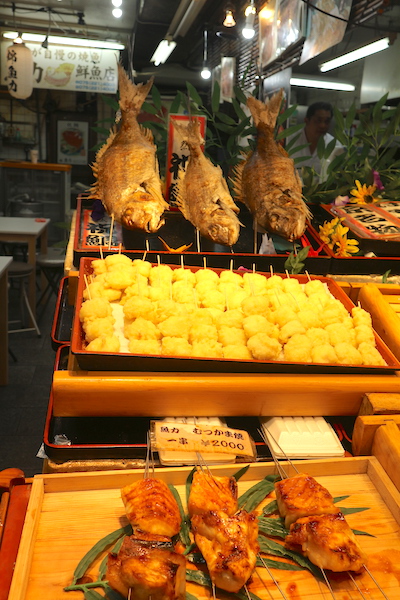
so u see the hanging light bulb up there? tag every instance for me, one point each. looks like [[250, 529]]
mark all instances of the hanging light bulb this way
[[250, 13], [229, 20], [117, 13], [19, 70], [205, 72]]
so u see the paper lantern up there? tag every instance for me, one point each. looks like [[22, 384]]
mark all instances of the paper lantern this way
[[19, 71]]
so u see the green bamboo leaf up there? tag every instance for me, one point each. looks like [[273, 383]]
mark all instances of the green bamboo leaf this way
[[297, 149], [175, 104], [350, 116], [97, 549], [92, 595], [215, 98], [272, 526], [270, 508], [270, 547], [289, 144], [385, 276], [377, 109], [241, 472], [256, 494], [329, 148], [238, 109], [358, 532], [351, 511], [224, 128], [388, 114], [102, 130], [156, 97], [289, 131], [149, 108], [277, 564], [189, 551], [240, 128], [188, 484], [299, 159], [185, 527], [113, 594], [225, 118], [321, 147], [198, 577], [193, 93], [240, 95], [110, 101], [190, 596], [340, 498], [286, 114], [339, 120]]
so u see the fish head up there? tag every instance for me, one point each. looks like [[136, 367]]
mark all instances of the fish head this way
[[223, 227], [143, 211], [287, 221]]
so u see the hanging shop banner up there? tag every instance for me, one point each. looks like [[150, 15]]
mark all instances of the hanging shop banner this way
[[177, 154], [327, 24], [70, 68]]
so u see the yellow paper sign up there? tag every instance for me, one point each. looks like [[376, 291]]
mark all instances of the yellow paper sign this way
[[191, 437]]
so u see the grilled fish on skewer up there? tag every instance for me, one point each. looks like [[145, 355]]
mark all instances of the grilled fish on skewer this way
[[301, 496], [327, 541], [212, 493], [229, 546], [151, 507], [126, 167], [202, 192], [267, 181], [150, 572]]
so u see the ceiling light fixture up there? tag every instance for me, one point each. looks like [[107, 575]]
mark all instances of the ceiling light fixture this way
[[229, 20], [162, 52], [65, 41], [355, 55], [205, 72], [250, 13], [322, 84], [116, 3], [117, 13]]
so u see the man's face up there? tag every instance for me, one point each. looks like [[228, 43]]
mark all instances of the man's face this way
[[318, 124]]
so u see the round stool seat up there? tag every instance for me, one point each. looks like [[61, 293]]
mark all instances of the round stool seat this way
[[55, 257], [19, 269]]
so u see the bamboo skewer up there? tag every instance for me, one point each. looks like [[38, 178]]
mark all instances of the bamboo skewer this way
[[87, 286], [271, 575], [111, 231]]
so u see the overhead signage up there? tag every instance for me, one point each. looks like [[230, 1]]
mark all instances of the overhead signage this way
[[70, 68]]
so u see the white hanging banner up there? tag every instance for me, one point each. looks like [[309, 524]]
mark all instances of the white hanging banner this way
[[19, 71], [70, 68]]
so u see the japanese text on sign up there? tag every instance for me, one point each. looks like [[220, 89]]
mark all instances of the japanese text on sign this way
[[191, 437]]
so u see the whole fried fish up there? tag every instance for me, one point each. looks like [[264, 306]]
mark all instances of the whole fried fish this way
[[267, 181], [202, 192], [126, 167]]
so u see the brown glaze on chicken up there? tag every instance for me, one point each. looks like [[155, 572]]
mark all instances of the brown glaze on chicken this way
[[300, 496], [327, 541], [126, 168], [202, 192], [229, 546], [212, 493], [267, 181], [151, 507], [150, 572]]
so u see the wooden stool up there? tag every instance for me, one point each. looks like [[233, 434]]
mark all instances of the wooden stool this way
[[52, 267], [20, 272]]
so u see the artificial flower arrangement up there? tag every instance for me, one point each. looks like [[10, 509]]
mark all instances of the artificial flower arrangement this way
[[334, 235]]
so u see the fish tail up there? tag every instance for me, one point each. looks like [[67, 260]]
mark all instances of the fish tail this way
[[265, 113], [131, 96]]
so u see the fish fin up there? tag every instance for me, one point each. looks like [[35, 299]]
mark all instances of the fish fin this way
[[265, 113], [180, 196], [236, 180], [189, 132], [282, 150], [131, 95], [147, 133], [95, 190]]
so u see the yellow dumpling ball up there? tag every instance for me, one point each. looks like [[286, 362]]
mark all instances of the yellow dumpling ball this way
[[201, 331], [111, 295], [231, 277], [165, 309], [347, 354], [184, 275], [361, 316], [364, 333], [182, 292], [236, 299], [99, 266], [255, 305], [317, 336], [263, 347], [330, 316], [207, 349], [141, 329], [290, 329], [119, 279], [160, 274], [95, 309], [238, 352], [254, 282], [298, 349], [142, 267], [93, 290], [215, 313], [283, 314], [159, 293], [274, 282], [206, 275], [104, 343], [371, 355], [231, 336], [204, 287], [176, 326], [277, 298], [254, 324], [291, 285], [315, 286], [309, 318], [323, 353], [213, 299], [202, 315], [339, 333], [137, 306], [97, 327], [117, 261], [231, 318], [175, 346], [152, 347], [227, 288]]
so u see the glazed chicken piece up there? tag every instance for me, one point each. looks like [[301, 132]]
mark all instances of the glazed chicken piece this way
[[149, 571], [212, 493], [229, 546], [327, 541], [151, 507], [300, 496]]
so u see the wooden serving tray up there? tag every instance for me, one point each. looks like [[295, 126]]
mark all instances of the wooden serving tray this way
[[69, 513]]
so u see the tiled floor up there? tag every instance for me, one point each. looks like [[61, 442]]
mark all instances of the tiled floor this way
[[23, 402]]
